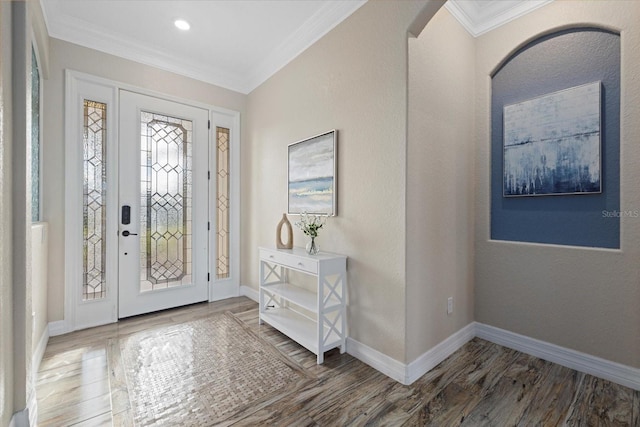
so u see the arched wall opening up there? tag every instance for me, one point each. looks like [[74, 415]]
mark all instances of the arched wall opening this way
[[582, 298], [555, 149]]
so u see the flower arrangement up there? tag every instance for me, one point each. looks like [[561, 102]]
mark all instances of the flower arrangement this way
[[310, 224]]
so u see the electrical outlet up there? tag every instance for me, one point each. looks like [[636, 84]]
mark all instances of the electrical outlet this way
[[449, 305]]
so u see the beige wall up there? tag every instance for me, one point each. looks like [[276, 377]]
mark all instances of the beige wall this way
[[354, 79], [21, 202], [63, 56], [15, 210], [580, 298], [439, 183]]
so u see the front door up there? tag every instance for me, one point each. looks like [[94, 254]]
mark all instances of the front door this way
[[163, 204]]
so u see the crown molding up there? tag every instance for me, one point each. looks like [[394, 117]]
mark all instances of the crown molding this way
[[481, 17], [323, 21], [82, 33]]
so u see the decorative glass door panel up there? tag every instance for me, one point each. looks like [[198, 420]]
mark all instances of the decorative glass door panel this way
[[222, 202], [165, 202], [94, 219], [163, 225]]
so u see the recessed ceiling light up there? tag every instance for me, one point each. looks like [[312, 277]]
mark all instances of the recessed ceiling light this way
[[182, 24]]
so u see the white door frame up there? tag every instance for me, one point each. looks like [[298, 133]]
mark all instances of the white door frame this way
[[225, 288], [78, 86], [79, 314]]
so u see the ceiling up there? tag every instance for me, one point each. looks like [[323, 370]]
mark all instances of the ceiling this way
[[234, 44]]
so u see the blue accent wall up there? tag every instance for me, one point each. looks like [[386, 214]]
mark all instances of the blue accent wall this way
[[554, 62]]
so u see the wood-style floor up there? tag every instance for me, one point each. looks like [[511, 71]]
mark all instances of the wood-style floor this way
[[481, 384]]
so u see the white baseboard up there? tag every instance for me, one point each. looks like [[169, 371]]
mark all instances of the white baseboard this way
[[407, 374], [222, 296], [249, 292], [437, 354], [379, 361], [59, 327], [32, 408], [223, 290], [582, 362], [36, 359], [39, 351], [20, 419]]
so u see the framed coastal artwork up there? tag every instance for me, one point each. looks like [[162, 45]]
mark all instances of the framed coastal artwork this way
[[312, 175], [552, 144]]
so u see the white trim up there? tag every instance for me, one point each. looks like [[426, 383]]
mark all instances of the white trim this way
[[431, 358], [223, 291], [582, 362], [20, 419], [377, 360], [230, 287], [78, 31], [59, 327], [83, 33], [74, 82], [249, 292], [407, 374], [478, 19], [39, 351], [234, 219], [32, 405], [149, 92], [70, 261], [36, 359], [84, 314], [324, 20]]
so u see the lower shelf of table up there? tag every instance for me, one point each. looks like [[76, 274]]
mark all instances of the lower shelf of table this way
[[299, 328]]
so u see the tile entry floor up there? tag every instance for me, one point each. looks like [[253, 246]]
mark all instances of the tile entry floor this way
[[481, 384]]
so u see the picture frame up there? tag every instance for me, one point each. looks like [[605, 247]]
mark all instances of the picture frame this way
[[552, 143], [312, 175]]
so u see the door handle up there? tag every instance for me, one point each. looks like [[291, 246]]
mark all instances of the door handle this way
[[126, 233]]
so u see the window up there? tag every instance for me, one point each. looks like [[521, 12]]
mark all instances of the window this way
[[35, 138]]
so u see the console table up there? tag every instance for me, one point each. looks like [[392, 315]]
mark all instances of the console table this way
[[315, 319]]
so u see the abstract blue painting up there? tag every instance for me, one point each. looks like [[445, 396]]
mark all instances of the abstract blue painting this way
[[312, 175], [552, 144]]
